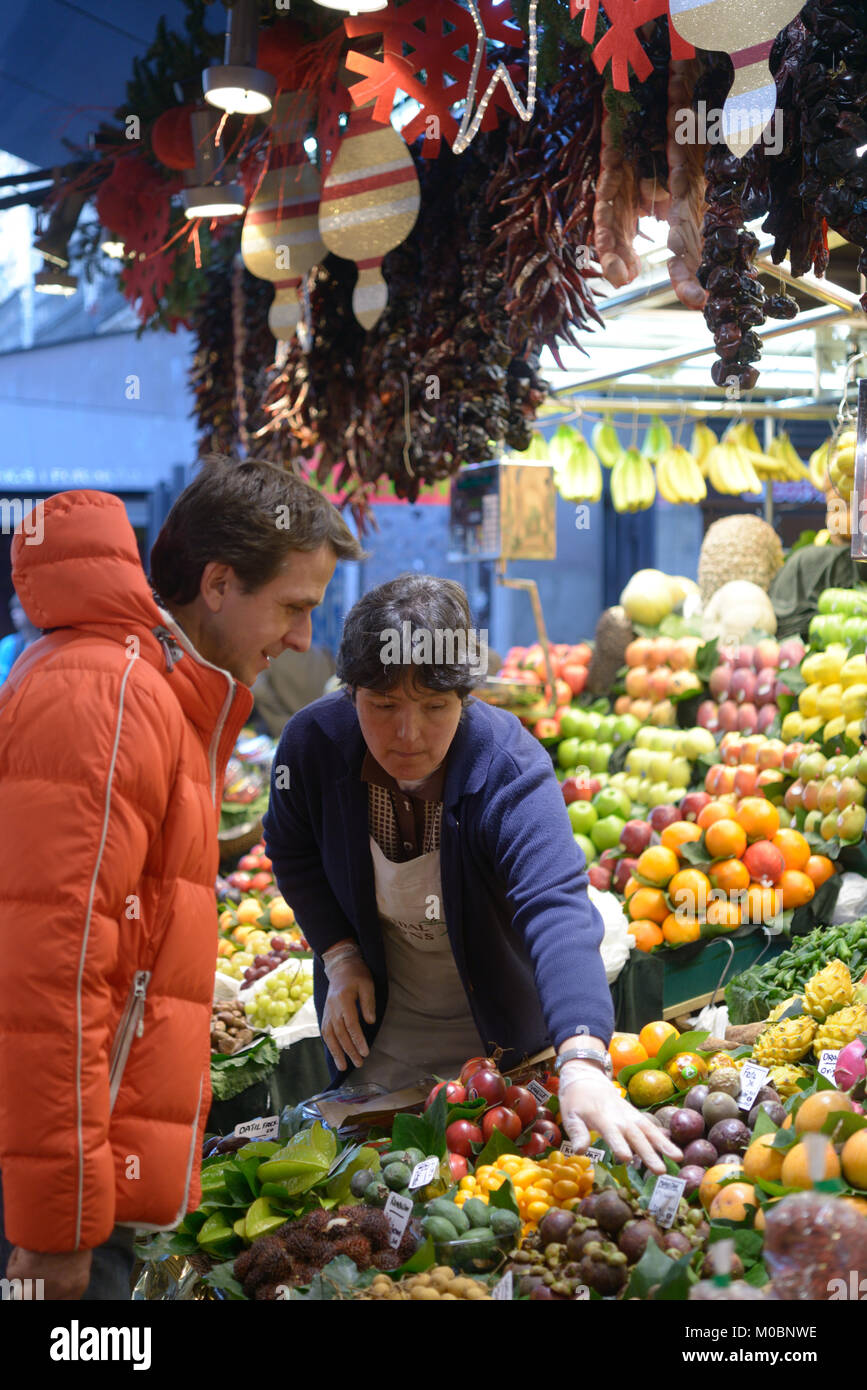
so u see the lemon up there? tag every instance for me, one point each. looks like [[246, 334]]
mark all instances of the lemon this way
[[808, 700], [829, 701]]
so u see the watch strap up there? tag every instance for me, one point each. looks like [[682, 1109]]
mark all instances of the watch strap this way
[[584, 1054]]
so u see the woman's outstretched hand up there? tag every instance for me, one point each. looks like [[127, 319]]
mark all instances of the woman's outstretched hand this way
[[588, 1100]]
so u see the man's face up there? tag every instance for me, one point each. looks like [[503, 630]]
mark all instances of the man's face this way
[[409, 729], [240, 631]]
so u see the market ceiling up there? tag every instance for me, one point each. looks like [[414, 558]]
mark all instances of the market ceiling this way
[[64, 67]]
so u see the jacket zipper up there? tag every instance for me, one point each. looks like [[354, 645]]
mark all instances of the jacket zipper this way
[[131, 1026]]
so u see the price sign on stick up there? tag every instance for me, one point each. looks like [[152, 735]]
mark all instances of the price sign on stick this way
[[398, 1209], [266, 1128], [666, 1196], [503, 1289], [828, 1063], [596, 1155], [424, 1172], [752, 1080]]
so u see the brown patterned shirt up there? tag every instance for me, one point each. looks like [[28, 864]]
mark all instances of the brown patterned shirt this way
[[405, 824]]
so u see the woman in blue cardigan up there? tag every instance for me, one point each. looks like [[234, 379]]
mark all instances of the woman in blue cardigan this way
[[422, 839]]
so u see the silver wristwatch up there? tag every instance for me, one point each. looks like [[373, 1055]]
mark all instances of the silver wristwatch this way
[[585, 1054]]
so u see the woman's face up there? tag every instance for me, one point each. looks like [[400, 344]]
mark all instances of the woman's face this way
[[409, 729]]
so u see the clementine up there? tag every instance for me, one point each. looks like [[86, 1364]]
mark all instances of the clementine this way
[[679, 930], [819, 868], [724, 912], [647, 904], [625, 1051], [730, 875], [796, 887], [657, 864], [688, 890], [713, 811], [725, 839], [762, 903], [653, 1035], [794, 847], [680, 832], [647, 934], [758, 817]]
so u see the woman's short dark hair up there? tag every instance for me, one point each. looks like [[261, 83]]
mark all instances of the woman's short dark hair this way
[[249, 515], [416, 626]]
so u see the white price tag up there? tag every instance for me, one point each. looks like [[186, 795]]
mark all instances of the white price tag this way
[[398, 1209], [666, 1196], [424, 1172], [267, 1128], [503, 1288], [753, 1079], [538, 1090], [596, 1155], [828, 1063]]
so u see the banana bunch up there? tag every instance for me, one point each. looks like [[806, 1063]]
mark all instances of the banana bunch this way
[[817, 465], [678, 476], [656, 440], [606, 444], [728, 468], [765, 466], [577, 475], [703, 440], [633, 486], [841, 462], [782, 449]]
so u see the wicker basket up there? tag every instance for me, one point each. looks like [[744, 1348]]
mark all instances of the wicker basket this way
[[241, 839]]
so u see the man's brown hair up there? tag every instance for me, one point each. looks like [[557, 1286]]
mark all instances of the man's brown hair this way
[[249, 515]]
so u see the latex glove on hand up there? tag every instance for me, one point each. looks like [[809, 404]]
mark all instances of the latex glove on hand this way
[[588, 1100], [350, 989]]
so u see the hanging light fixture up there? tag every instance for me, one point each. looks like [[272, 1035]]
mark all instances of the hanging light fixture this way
[[52, 280], [53, 243], [114, 249], [239, 86], [206, 197], [354, 6]]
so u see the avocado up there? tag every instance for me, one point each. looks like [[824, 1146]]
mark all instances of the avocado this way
[[397, 1176], [456, 1216], [477, 1212], [504, 1222], [438, 1229]]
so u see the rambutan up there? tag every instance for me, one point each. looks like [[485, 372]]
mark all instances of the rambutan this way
[[241, 1267], [357, 1247], [373, 1224], [300, 1243], [386, 1259]]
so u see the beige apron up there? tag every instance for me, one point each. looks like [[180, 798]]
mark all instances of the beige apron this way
[[428, 1027]]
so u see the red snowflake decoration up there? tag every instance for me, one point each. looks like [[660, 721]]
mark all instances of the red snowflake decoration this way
[[145, 281], [620, 44], [421, 37]]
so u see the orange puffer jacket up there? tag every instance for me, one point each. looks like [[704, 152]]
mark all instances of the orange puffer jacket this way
[[114, 738]]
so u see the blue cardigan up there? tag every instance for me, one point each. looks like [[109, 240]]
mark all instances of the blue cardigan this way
[[524, 933]]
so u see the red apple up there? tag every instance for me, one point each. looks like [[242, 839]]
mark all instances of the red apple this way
[[575, 677], [792, 653], [764, 861], [768, 784], [506, 1121], [727, 714], [581, 653], [461, 1135], [486, 1084], [549, 1131], [718, 683], [524, 1104], [476, 1064], [622, 873], [766, 686], [609, 859], [748, 718], [791, 754], [457, 1166], [744, 657], [745, 780], [250, 862], [661, 816], [713, 780], [546, 728], [599, 877], [767, 715], [693, 804], [767, 653], [730, 752], [771, 753], [793, 799], [706, 715], [636, 836], [742, 686]]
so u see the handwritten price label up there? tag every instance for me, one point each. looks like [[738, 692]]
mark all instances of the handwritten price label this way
[[828, 1063], [398, 1209], [596, 1155], [753, 1079], [267, 1128], [538, 1090]]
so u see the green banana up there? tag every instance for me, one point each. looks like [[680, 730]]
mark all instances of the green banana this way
[[606, 444]]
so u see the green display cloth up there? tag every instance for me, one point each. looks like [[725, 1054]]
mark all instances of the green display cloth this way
[[301, 1072], [637, 992], [795, 591]]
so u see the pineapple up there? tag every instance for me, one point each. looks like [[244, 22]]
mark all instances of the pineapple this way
[[784, 1042], [831, 989], [785, 1080], [781, 1008], [841, 1028]]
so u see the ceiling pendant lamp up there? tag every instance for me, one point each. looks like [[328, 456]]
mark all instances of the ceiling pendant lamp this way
[[239, 86], [206, 196], [53, 280], [53, 243], [353, 6]]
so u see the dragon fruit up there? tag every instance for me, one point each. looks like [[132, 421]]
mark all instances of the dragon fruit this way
[[851, 1064]]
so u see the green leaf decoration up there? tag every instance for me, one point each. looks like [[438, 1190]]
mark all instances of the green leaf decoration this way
[[842, 1123], [504, 1197], [222, 1277], [653, 1268], [231, 1075], [764, 1125], [676, 1285], [338, 1183], [695, 852], [417, 1132]]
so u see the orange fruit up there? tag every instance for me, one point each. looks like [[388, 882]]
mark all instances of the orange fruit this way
[[680, 832], [653, 1035], [762, 903], [647, 934], [647, 904], [650, 1087], [859, 1203], [787, 1122], [686, 1069], [248, 911], [731, 875], [226, 919], [712, 812], [723, 912], [794, 847], [688, 891], [725, 839], [761, 1160], [226, 948], [679, 931], [733, 1202], [796, 1165], [625, 1051], [796, 887], [853, 1157], [758, 817], [819, 868], [710, 1183], [281, 913], [631, 886], [658, 865], [814, 1111]]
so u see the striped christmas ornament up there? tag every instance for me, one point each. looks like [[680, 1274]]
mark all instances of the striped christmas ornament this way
[[280, 238], [370, 201], [745, 29]]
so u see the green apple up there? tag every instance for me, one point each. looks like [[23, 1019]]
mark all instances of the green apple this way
[[613, 801], [598, 761], [605, 730], [625, 728], [657, 794], [695, 742], [587, 847], [567, 752], [644, 737], [582, 816], [679, 773], [606, 832], [638, 761], [632, 786], [585, 748], [618, 779], [659, 765], [572, 723], [586, 721]]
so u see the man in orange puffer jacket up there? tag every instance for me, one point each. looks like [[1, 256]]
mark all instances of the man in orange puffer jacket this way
[[115, 730]]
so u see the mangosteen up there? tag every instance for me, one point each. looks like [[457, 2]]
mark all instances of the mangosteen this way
[[696, 1097], [588, 1205], [676, 1240], [730, 1136], [635, 1235], [700, 1153], [692, 1174], [612, 1212], [686, 1126], [580, 1238], [604, 1269], [708, 1271], [555, 1226], [719, 1105]]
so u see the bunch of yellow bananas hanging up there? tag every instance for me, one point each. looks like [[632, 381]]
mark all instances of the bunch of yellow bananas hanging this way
[[782, 449], [678, 476], [730, 465], [841, 462], [633, 486], [577, 475], [606, 444]]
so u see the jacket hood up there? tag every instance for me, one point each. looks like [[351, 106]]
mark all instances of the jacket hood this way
[[86, 571]]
